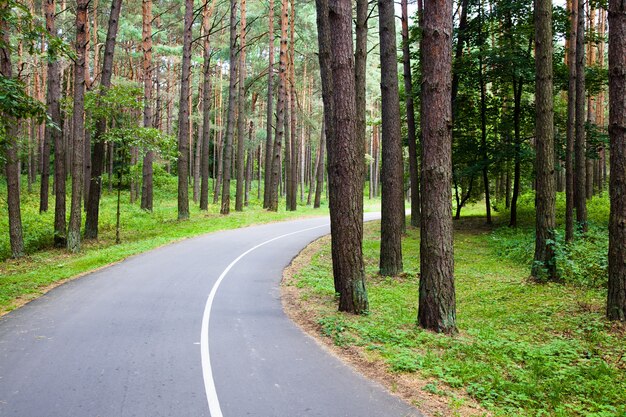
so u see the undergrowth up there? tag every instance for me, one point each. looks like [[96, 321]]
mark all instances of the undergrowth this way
[[524, 349]]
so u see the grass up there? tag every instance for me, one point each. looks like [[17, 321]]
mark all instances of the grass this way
[[524, 349], [26, 278]]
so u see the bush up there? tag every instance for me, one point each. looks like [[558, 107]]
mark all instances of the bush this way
[[583, 262]]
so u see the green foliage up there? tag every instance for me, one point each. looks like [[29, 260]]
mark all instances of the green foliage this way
[[118, 105], [583, 262], [15, 103]]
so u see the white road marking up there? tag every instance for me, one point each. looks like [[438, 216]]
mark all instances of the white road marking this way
[[207, 372]]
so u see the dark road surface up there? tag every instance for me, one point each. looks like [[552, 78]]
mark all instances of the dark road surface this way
[[183, 330]]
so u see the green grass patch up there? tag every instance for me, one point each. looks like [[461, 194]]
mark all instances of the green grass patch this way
[[524, 349]]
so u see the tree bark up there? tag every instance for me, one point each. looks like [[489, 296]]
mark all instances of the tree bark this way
[[392, 175], [293, 113], [53, 108], [616, 301], [280, 111], [580, 201], [241, 117], [437, 299], [11, 165], [571, 123], [410, 118], [146, 184], [483, 117], [183, 116], [206, 106], [544, 265], [270, 109], [73, 233], [227, 150], [345, 160], [54, 135], [360, 69], [97, 166]]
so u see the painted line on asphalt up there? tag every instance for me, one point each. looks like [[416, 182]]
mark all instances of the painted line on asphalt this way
[[207, 372]]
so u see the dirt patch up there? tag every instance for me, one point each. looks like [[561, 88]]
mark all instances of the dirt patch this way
[[305, 308]]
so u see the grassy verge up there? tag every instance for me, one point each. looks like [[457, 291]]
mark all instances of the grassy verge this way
[[44, 267], [524, 349]]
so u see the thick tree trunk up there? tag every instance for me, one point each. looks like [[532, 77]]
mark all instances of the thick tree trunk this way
[[146, 184], [326, 75], [60, 231], [483, 118], [345, 159], [97, 166], [280, 112], [11, 149], [544, 265], [616, 301], [571, 124], [73, 233], [410, 119], [437, 299], [206, 106], [294, 139], [360, 69], [183, 116], [270, 110], [580, 201], [392, 175], [241, 117], [53, 108], [227, 150]]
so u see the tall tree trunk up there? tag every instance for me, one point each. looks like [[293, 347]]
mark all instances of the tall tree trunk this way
[[270, 109], [517, 113], [53, 135], [219, 142], [326, 75], [591, 100], [206, 105], [241, 118], [183, 116], [295, 142], [437, 299], [392, 175], [483, 117], [73, 233], [461, 39], [227, 150], [616, 301], [544, 265], [319, 172], [97, 166], [580, 201], [410, 118], [280, 112], [571, 123], [345, 157], [53, 108], [146, 184], [11, 148], [360, 69]]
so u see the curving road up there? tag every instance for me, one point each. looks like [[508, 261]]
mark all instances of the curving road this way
[[191, 329]]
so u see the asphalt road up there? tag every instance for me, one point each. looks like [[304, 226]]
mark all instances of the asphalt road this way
[[191, 329]]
